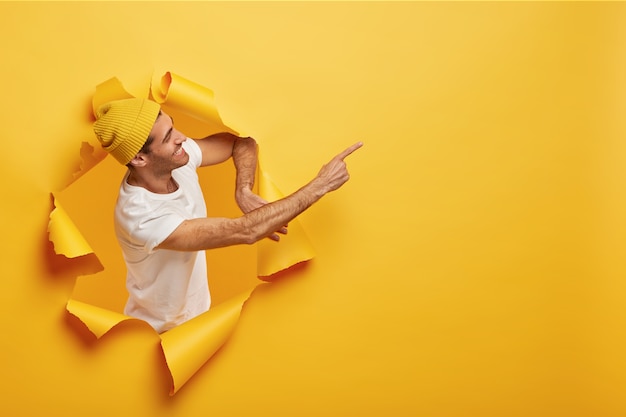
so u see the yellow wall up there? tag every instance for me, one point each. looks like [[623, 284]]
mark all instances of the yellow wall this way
[[472, 266]]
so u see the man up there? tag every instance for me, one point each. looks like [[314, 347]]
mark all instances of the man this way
[[160, 216]]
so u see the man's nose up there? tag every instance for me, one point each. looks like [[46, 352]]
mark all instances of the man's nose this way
[[180, 138]]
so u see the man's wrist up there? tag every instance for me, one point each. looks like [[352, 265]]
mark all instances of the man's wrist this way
[[317, 188]]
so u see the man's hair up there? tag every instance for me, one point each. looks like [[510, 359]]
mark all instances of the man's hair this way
[[146, 146]]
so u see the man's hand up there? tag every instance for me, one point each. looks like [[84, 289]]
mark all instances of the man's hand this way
[[335, 173], [248, 201]]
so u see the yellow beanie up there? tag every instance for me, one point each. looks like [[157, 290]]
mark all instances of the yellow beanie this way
[[123, 126]]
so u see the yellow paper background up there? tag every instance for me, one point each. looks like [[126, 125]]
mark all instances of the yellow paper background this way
[[472, 266]]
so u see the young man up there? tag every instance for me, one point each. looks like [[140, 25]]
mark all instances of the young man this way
[[160, 216]]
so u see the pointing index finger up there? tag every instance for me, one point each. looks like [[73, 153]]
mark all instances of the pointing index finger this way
[[349, 150]]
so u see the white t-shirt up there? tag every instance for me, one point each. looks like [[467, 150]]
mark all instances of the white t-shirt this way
[[165, 287]]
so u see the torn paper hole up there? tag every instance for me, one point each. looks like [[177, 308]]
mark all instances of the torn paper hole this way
[[187, 347]]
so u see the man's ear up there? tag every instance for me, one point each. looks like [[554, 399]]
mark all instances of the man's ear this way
[[139, 160]]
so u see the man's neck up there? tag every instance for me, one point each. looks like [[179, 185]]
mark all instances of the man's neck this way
[[159, 185]]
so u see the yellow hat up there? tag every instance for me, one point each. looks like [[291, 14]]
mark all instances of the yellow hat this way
[[123, 126]]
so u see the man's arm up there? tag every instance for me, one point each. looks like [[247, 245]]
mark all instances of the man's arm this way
[[218, 148], [221, 146], [211, 232]]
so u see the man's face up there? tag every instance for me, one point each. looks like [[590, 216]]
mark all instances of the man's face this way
[[166, 151]]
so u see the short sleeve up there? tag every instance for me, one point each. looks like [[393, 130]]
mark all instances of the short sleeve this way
[[195, 153], [151, 232]]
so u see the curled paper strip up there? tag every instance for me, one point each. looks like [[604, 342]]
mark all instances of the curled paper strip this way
[[109, 90], [188, 97], [295, 246], [190, 104], [187, 347], [98, 320], [64, 234]]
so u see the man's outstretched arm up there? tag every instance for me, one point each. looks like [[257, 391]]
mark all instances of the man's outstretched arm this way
[[211, 232]]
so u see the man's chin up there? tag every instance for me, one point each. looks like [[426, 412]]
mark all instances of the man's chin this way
[[183, 160]]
